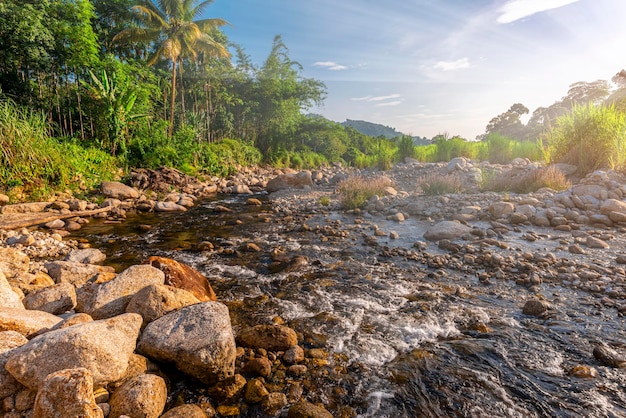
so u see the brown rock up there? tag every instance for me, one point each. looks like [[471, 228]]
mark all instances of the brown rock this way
[[294, 355], [260, 366], [255, 391], [228, 388], [289, 181], [117, 190], [142, 396], [535, 307], [8, 341], [273, 403], [154, 301], [184, 277], [185, 411], [304, 409], [55, 299], [67, 393], [13, 262], [269, 337]]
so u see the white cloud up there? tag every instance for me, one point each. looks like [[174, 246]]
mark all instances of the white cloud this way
[[376, 98], [333, 66], [453, 65], [518, 9], [394, 103]]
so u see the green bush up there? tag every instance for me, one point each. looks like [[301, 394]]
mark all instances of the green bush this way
[[591, 137]]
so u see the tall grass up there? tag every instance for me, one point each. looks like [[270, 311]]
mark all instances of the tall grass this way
[[33, 163], [591, 137], [355, 191]]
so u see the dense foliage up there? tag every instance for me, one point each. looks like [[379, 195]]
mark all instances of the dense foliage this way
[[154, 82]]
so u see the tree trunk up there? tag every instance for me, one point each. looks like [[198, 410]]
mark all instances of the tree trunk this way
[[173, 97], [182, 93]]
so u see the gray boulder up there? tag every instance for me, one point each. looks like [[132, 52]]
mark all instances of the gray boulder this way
[[446, 230], [54, 299], [75, 273], [102, 347], [86, 256], [198, 339], [290, 181], [111, 298], [26, 322], [117, 190]]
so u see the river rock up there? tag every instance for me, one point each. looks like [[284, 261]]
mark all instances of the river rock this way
[[55, 299], [273, 403], [608, 357], [593, 242], [67, 393], [4, 199], [13, 262], [290, 181], [55, 224], [8, 298], [198, 339], [294, 355], [169, 207], [269, 337], [501, 209], [154, 301], [117, 190], [9, 340], [142, 396], [77, 274], [446, 230], [229, 388], [255, 391], [102, 347], [185, 411], [304, 409], [26, 322], [535, 307], [86, 256], [112, 298], [259, 366], [184, 277], [253, 201]]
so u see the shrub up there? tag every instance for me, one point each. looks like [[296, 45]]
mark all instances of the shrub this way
[[591, 137], [357, 190], [536, 179], [435, 184]]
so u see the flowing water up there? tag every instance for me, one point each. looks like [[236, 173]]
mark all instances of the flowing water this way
[[405, 338]]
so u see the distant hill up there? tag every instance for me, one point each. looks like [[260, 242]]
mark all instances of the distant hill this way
[[376, 129]]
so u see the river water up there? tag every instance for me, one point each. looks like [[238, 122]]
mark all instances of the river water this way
[[405, 338]]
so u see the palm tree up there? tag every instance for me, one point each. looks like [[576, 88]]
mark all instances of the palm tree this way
[[169, 26]]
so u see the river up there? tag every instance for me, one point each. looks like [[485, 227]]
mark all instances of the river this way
[[405, 336]]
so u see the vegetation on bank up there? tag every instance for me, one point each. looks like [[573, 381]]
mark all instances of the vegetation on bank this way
[[89, 88]]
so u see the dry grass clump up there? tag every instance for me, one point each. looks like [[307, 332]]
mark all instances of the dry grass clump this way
[[355, 191], [550, 177], [435, 184]]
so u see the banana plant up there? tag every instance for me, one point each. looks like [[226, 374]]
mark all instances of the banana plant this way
[[118, 100]]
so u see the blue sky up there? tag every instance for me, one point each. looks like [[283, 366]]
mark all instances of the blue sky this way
[[439, 66]]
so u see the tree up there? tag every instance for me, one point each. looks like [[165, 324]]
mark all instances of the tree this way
[[583, 93], [509, 123], [169, 26]]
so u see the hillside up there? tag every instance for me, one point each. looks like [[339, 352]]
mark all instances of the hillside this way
[[376, 130]]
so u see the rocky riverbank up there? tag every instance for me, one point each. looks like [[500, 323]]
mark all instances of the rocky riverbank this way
[[79, 339]]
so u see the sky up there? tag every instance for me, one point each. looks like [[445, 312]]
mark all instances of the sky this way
[[430, 67]]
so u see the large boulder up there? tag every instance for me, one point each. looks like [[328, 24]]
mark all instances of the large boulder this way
[[9, 340], [169, 207], [26, 322], [102, 347], [54, 299], [67, 393], [184, 277], [154, 301], [111, 298], [198, 339], [304, 409], [117, 190], [142, 396], [8, 298], [75, 273], [13, 262], [86, 256], [290, 181], [269, 337], [446, 230]]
